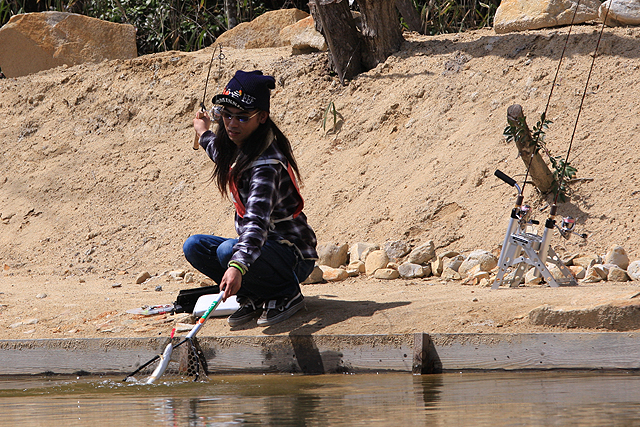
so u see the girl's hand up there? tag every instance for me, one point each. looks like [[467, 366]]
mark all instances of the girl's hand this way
[[231, 282], [202, 122]]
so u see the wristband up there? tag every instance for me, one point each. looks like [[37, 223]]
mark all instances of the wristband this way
[[237, 265]]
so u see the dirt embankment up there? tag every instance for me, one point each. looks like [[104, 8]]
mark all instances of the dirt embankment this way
[[98, 180]]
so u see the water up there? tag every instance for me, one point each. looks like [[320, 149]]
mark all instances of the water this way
[[464, 399]]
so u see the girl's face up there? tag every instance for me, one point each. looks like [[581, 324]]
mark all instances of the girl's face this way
[[240, 124]]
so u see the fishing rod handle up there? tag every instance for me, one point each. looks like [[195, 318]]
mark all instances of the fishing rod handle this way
[[507, 179], [196, 142]]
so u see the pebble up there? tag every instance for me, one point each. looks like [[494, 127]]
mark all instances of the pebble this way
[[183, 327], [41, 296], [142, 277]]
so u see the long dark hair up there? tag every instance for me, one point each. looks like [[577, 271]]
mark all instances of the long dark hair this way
[[228, 153]]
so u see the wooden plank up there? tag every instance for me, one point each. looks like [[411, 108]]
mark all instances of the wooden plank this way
[[317, 354], [608, 350], [60, 356], [310, 353]]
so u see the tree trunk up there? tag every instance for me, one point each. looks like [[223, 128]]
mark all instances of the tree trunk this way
[[540, 174], [335, 21], [410, 15], [381, 30], [231, 11]]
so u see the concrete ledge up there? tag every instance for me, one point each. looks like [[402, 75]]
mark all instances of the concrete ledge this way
[[316, 354]]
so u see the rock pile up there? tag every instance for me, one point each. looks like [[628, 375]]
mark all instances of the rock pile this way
[[397, 259]]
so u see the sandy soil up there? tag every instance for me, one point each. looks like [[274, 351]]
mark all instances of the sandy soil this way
[[98, 180]]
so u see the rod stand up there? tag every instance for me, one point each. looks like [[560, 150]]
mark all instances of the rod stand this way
[[522, 250]]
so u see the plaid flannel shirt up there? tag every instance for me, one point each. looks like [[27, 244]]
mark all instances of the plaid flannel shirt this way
[[268, 195]]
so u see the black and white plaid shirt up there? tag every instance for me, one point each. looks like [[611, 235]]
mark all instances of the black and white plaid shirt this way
[[270, 199]]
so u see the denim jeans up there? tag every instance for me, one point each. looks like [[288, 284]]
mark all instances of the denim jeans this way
[[276, 273]]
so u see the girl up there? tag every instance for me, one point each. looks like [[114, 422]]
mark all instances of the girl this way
[[276, 248]]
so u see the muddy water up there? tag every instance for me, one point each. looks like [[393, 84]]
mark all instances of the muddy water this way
[[462, 399]]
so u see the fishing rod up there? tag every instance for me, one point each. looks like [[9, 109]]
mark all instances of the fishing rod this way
[[537, 250], [203, 108]]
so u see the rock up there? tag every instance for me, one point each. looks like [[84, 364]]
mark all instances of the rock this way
[[189, 277], [359, 251], [426, 269], [41, 296], [437, 265], [519, 15], [264, 31], [453, 263], [177, 274], [423, 253], [618, 256], [375, 260], [315, 276], [34, 42], [356, 265], [183, 327], [595, 273], [408, 270], [396, 249], [303, 37], [386, 274], [617, 274], [207, 281], [142, 277], [621, 12], [555, 271], [450, 274], [476, 276], [333, 254], [616, 316], [486, 260], [531, 278], [577, 271], [586, 261], [634, 270], [331, 274]]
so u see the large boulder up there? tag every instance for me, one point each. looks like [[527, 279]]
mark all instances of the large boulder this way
[[264, 31], [521, 15], [618, 256], [333, 254], [34, 42], [620, 12], [621, 315], [303, 37]]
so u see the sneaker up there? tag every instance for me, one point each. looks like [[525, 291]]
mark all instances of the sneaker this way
[[249, 310], [280, 309]]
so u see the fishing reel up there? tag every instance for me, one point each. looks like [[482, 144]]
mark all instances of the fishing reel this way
[[566, 228], [216, 112], [524, 213]]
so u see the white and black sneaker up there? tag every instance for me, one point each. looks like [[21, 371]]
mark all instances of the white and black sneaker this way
[[280, 309], [249, 310]]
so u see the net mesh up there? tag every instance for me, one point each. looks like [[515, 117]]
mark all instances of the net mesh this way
[[187, 363]]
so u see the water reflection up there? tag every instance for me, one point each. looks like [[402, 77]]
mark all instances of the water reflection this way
[[478, 399]]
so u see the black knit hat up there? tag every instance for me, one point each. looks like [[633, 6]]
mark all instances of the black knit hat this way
[[247, 91]]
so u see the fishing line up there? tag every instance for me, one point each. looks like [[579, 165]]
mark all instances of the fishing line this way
[[584, 94], [553, 85]]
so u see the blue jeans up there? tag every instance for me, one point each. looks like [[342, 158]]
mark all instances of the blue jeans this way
[[276, 273]]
